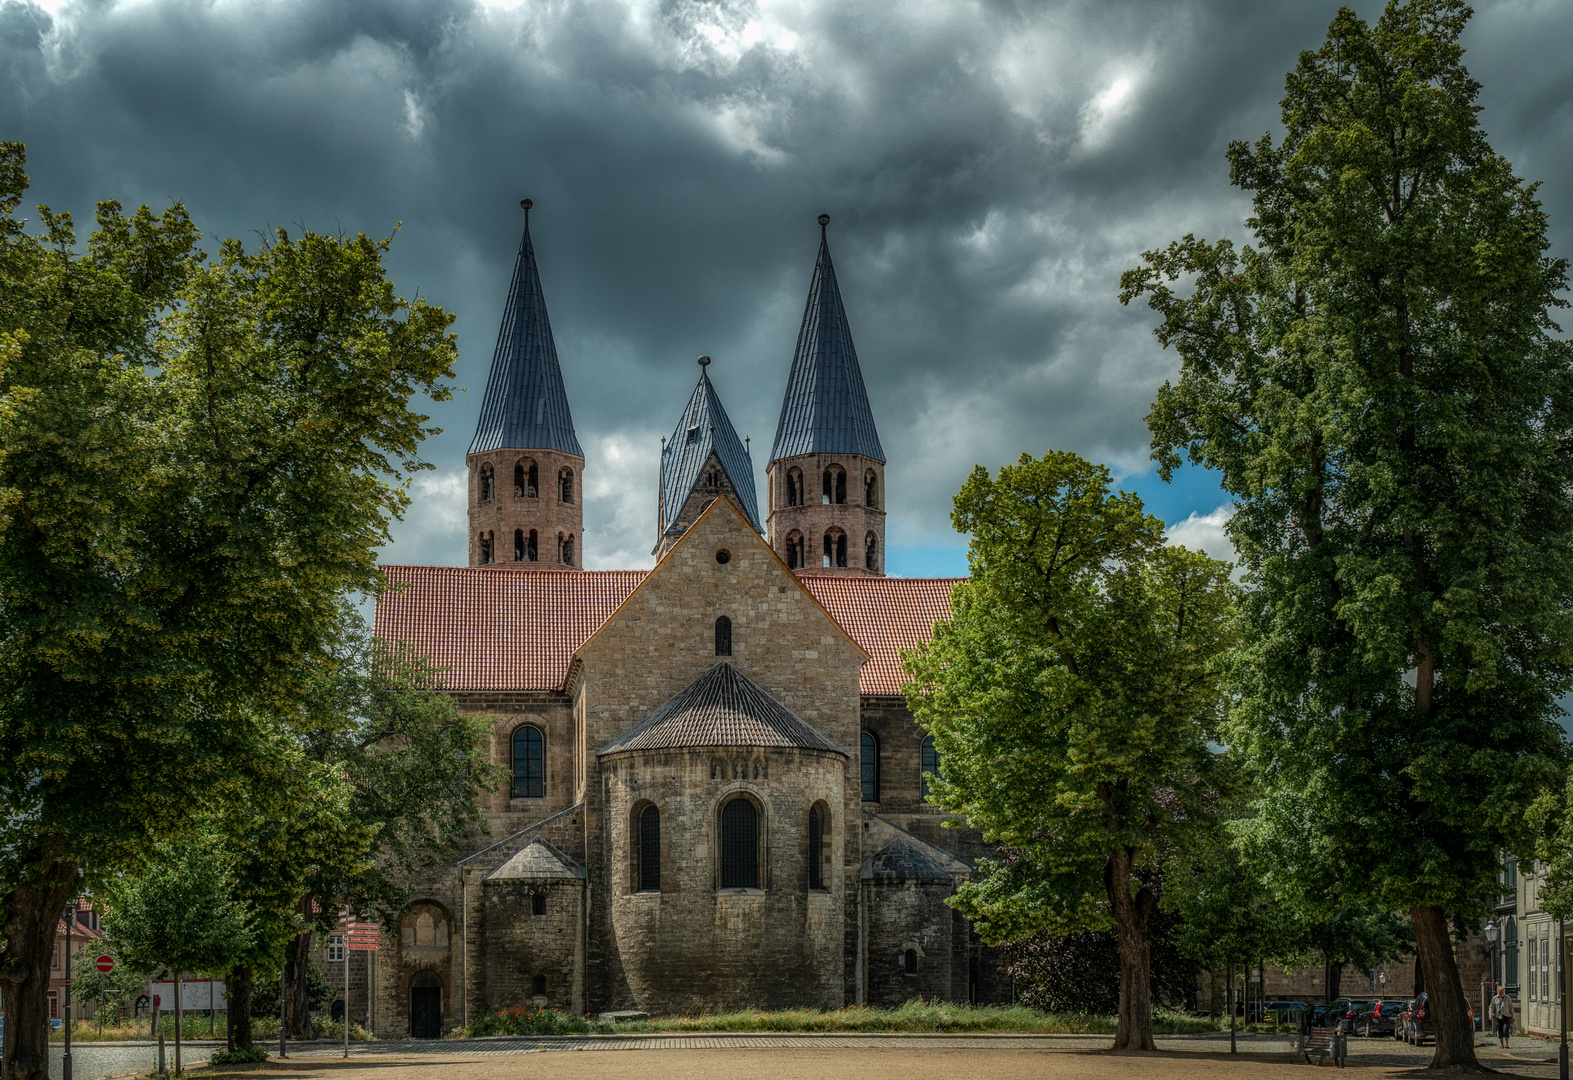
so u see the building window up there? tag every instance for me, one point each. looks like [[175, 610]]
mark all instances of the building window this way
[[739, 845], [565, 550], [538, 903], [870, 767], [816, 848], [529, 763], [565, 486], [870, 490], [835, 548], [336, 949], [54, 1005], [650, 850], [910, 961], [795, 550], [487, 485], [538, 986], [930, 764], [486, 548], [870, 552], [1510, 952], [1545, 969], [723, 636], [526, 479], [794, 487]]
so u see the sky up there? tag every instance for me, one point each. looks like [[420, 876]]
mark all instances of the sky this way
[[989, 168]]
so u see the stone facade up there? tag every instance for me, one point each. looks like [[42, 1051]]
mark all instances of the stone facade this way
[[505, 510], [851, 510]]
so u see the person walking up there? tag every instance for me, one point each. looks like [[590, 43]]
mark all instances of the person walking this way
[[1502, 1013]]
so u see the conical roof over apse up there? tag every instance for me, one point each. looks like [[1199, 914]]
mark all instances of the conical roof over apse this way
[[826, 407], [703, 429], [525, 407]]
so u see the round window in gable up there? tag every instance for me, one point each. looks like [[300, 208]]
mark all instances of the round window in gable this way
[[723, 556]]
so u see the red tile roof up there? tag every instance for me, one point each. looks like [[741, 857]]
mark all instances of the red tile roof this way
[[492, 628], [501, 629], [885, 616]]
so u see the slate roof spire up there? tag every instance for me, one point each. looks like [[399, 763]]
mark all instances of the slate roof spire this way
[[525, 407], [826, 407], [702, 430]]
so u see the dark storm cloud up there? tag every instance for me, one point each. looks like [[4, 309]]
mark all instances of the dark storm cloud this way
[[990, 168]]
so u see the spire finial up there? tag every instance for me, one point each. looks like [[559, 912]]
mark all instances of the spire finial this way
[[704, 361], [824, 219], [525, 205]]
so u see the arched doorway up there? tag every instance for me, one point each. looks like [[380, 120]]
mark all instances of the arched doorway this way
[[426, 1006]]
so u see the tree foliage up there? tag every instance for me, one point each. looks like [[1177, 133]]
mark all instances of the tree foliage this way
[[1071, 696], [1380, 384], [181, 914], [198, 462]]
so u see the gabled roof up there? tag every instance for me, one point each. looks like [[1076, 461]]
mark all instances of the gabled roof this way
[[826, 406], [537, 859], [497, 628], [885, 615], [703, 429], [900, 861], [525, 407], [722, 707]]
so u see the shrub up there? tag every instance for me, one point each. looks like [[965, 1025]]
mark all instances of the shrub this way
[[239, 1056]]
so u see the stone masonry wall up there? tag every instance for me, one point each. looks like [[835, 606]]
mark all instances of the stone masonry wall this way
[[912, 915], [546, 513], [662, 638], [815, 517], [521, 946]]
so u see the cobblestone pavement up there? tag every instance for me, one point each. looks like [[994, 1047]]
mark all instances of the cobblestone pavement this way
[[91, 1061]]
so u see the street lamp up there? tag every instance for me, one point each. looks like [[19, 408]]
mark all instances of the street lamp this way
[[65, 1058], [1492, 931]]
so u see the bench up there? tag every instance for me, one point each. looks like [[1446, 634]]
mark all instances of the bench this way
[[1324, 1043]]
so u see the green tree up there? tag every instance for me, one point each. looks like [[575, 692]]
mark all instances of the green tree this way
[[1356, 934], [181, 915], [1071, 696], [1379, 382], [198, 463]]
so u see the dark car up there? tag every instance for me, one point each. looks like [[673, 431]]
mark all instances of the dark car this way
[[1317, 1012], [1420, 1025], [1341, 1013], [1379, 1017]]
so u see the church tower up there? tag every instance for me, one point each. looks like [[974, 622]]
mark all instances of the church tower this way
[[704, 460], [525, 463], [826, 474]]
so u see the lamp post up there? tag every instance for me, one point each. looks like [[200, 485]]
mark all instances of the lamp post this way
[[1562, 999], [65, 1058], [1492, 932]]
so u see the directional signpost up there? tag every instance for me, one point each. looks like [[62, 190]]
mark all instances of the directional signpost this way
[[104, 964], [362, 937]]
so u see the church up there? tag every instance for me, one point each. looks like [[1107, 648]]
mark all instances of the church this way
[[716, 794]]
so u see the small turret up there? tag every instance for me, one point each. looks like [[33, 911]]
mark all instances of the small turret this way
[[704, 460]]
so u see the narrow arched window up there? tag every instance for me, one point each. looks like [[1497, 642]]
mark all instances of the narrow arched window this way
[[567, 551], [870, 491], [930, 765], [739, 845], [723, 636], [841, 487], [870, 552], [565, 482], [533, 481], [910, 960], [791, 489], [518, 480], [529, 763], [538, 903], [870, 767], [650, 850], [795, 553], [487, 484], [532, 548], [827, 487], [486, 548], [835, 548], [816, 848], [518, 545]]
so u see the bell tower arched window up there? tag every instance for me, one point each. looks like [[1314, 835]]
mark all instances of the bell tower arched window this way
[[486, 548], [565, 486], [723, 636], [795, 554], [526, 478], [487, 484], [871, 552], [739, 845], [870, 490], [835, 485], [529, 763], [835, 548], [794, 487]]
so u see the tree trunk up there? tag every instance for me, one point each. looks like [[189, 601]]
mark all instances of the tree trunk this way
[[1455, 1040], [32, 916], [1335, 981], [1131, 916], [298, 1011], [240, 985]]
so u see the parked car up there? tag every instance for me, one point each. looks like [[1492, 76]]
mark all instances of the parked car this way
[[1317, 1012], [1342, 1012], [1419, 1023], [1379, 1017]]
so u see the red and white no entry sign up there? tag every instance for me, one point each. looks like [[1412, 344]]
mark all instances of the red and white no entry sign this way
[[106, 964]]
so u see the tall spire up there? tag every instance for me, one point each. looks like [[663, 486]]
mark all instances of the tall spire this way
[[826, 407], [704, 457], [525, 407]]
